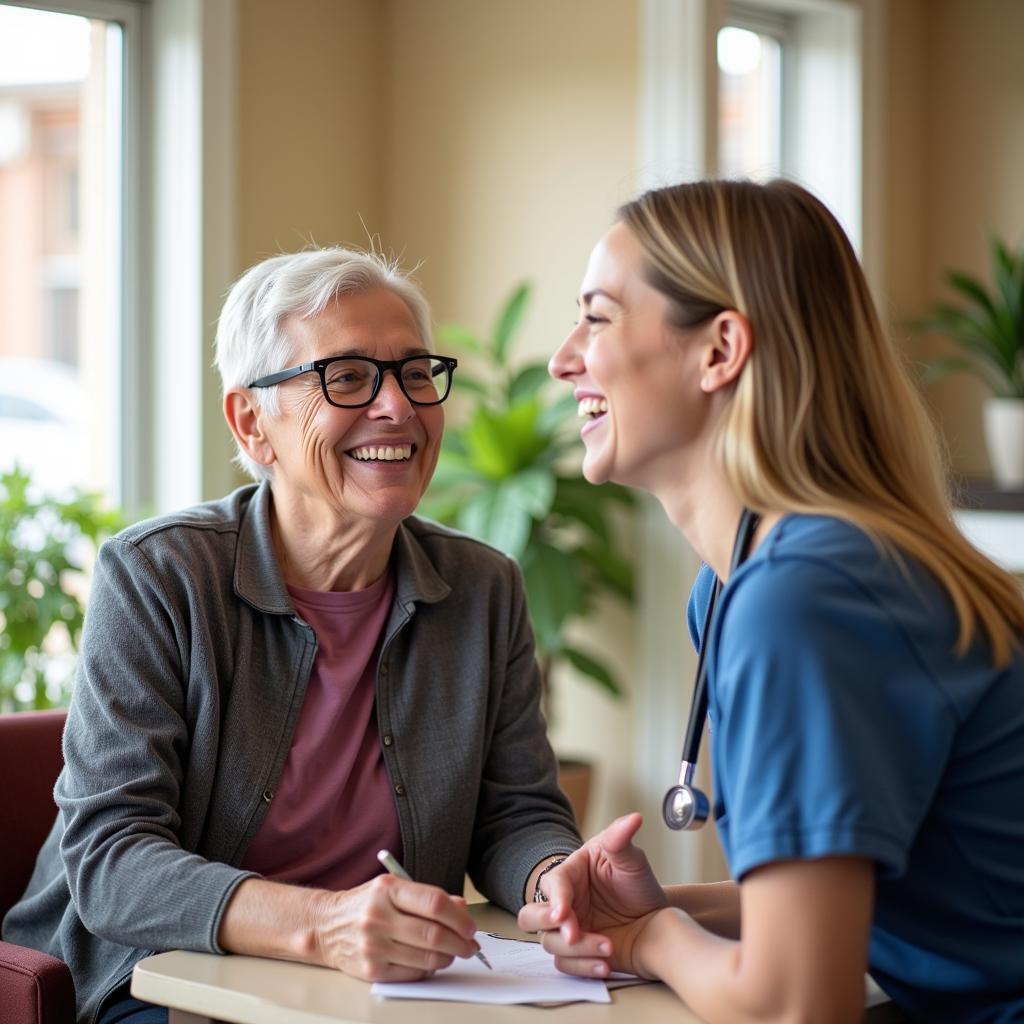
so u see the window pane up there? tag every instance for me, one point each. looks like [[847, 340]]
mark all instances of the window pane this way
[[749, 104], [60, 157]]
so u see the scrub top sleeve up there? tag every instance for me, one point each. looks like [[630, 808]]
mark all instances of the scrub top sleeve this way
[[830, 737]]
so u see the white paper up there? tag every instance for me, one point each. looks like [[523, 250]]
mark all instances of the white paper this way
[[523, 973]]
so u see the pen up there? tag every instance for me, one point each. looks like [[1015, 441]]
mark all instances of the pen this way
[[394, 868]]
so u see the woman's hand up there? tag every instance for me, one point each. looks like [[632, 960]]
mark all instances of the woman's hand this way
[[389, 929], [599, 903]]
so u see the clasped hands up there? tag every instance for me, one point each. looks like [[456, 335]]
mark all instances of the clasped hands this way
[[602, 903]]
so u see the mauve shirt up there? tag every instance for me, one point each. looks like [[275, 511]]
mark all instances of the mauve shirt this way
[[333, 808]]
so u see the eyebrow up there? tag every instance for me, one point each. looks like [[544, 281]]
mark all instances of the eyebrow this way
[[588, 297], [365, 353]]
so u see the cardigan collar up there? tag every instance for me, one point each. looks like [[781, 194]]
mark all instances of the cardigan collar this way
[[258, 579]]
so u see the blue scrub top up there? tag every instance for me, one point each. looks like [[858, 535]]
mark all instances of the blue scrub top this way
[[843, 723]]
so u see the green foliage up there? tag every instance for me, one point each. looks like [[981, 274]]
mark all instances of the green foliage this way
[[988, 324], [44, 547], [508, 474]]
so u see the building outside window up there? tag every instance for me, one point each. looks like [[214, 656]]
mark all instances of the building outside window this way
[[60, 175]]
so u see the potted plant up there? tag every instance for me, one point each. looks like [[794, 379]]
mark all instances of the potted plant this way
[[988, 325], [508, 473], [45, 545]]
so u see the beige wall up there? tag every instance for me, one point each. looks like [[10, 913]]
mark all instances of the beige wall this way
[[955, 153], [511, 138], [310, 124]]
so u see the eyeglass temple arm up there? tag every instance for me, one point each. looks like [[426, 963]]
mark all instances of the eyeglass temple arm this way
[[283, 375]]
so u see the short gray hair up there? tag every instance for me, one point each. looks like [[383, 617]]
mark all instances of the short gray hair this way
[[251, 342]]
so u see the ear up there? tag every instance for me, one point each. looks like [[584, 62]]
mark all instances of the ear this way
[[728, 347], [246, 420]]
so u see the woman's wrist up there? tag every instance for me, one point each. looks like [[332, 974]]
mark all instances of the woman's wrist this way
[[655, 942]]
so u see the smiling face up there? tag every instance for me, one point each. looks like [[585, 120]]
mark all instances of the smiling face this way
[[635, 377], [373, 462]]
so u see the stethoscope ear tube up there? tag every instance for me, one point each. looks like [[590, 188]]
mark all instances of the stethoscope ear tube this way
[[685, 807]]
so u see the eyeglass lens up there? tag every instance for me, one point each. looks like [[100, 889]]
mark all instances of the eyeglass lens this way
[[353, 381]]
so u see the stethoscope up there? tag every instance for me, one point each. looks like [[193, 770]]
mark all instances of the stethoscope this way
[[685, 806]]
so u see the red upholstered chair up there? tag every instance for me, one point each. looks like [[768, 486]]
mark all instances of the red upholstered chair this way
[[34, 988]]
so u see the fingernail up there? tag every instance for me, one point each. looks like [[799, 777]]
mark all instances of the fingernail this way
[[551, 915], [604, 949], [600, 969]]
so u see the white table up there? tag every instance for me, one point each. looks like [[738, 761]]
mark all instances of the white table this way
[[201, 988]]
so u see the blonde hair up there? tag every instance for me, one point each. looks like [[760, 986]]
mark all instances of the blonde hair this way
[[824, 418]]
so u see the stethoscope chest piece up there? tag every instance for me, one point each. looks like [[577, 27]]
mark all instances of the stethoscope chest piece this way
[[685, 807]]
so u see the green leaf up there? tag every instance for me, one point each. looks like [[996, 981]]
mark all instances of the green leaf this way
[[442, 509], [464, 382], [614, 572], [508, 322], [554, 591], [1009, 270], [597, 670], [454, 468], [528, 381], [989, 326], [501, 444], [485, 446], [533, 490], [936, 368], [558, 414], [972, 289], [496, 520], [458, 337]]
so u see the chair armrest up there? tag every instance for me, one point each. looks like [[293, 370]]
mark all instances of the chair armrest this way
[[35, 988]]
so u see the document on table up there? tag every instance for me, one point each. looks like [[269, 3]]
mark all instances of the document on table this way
[[523, 973]]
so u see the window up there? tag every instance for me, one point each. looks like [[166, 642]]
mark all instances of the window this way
[[749, 103], [61, 146], [789, 89]]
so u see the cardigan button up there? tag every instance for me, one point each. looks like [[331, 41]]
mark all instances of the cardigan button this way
[[388, 740], [268, 795], [400, 789]]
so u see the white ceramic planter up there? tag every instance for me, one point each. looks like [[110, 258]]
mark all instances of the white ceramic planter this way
[[1004, 437]]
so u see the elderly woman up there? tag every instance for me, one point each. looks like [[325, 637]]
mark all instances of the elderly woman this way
[[275, 686]]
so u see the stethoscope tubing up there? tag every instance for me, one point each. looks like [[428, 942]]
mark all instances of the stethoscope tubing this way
[[685, 806]]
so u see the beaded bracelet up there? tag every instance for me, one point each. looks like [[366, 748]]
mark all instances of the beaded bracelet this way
[[538, 896]]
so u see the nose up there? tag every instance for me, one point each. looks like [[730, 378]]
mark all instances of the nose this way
[[391, 401], [567, 360]]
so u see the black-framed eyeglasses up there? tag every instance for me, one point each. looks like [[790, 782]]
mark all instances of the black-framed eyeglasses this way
[[350, 382]]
